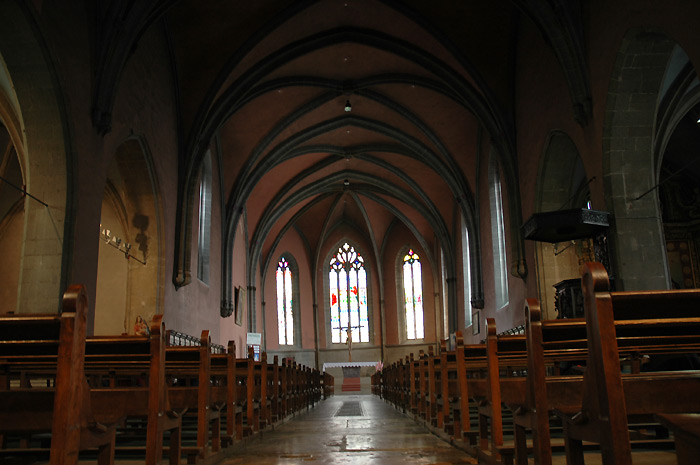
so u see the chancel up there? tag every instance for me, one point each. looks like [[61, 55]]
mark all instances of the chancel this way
[[349, 230]]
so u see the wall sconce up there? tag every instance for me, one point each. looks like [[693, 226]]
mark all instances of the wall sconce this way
[[117, 243], [348, 107]]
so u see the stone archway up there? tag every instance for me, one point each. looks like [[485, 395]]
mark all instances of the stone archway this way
[[561, 184], [676, 146], [129, 287], [11, 219], [637, 243], [34, 97]]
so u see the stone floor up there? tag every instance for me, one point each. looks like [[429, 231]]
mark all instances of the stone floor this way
[[363, 429], [349, 429]]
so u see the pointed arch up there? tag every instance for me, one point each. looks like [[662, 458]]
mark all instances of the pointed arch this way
[[498, 237], [131, 207], [348, 302], [47, 157], [562, 183], [410, 290], [287, 302]]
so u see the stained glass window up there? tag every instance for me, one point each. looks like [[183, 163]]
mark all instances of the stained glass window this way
[[347, 283], [204, 239], [498, 235], [466, 274], [285, 316], [413, 295]]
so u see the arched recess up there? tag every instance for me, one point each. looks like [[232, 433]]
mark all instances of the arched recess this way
[[637, 243], [508, 174], [561, 184], [676, 148], [277, 309], [32, 91], [411, 309], [130, 287], [11, 219]]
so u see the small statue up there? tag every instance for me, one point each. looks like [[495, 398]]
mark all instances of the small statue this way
[[141, 327]]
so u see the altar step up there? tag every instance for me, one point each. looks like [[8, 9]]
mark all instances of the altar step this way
[[351, 384]]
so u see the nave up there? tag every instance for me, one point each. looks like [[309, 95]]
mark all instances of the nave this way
[[363, 429], [349, 429]]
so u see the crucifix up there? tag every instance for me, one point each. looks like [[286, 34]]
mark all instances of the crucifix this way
[[348, 330]]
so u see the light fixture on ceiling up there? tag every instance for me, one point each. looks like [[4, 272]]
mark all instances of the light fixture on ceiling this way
[[348, 107]]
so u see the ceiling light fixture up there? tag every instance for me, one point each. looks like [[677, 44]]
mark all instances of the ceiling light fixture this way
[[348, 107]]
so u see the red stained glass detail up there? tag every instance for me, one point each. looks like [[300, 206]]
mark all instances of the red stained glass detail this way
[[334, 299], [354, 290]]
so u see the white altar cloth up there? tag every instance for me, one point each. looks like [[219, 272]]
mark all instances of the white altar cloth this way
[[348, 364]]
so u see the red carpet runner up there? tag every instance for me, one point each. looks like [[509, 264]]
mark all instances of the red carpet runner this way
[[351, 384]]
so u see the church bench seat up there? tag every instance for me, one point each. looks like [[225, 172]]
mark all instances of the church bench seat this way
[[471, 375], [224, 390], [189, 378], [506, 362], [274, 390], [54, 346], [648, 322], [686, 432], [247, 409], [129, 379], [551, 346], [328, 385]]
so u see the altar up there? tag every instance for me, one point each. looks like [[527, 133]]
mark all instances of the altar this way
[[349, 365], [355, 376]]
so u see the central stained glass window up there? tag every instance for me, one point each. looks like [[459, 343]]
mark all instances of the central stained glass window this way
[[347, 282]]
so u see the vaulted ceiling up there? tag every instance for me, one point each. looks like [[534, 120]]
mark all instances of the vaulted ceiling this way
[[272, 81], [429, 84]]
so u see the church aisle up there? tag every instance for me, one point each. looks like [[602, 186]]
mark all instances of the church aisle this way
[[349, 429]]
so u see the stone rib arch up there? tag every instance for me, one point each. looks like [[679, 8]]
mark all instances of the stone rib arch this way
[[218, 111], [360, 35]]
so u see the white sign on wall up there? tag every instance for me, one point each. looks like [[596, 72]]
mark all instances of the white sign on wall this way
[[254, 339]]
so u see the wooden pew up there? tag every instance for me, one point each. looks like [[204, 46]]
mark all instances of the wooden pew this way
[[224, 390], [134, 367], [532, 385], [440, 389], [549, 344], [471, 375], [328, 385], [189, 377], [506, 362], [248, 422], [274, 390], [649, 322], [54, 344], [686, 433]]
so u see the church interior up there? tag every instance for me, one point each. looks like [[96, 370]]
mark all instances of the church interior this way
[[348, 183]]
